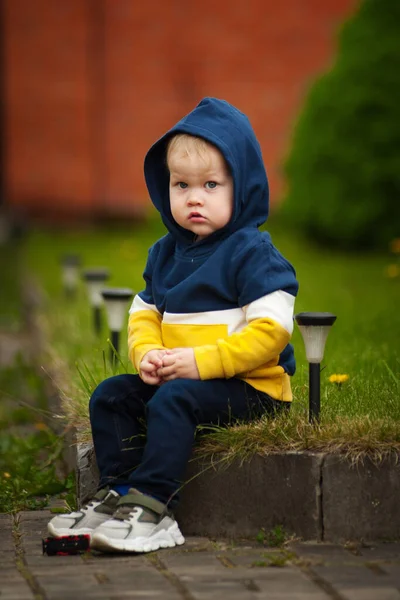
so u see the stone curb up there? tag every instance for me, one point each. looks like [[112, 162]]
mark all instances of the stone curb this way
[[313, 496]]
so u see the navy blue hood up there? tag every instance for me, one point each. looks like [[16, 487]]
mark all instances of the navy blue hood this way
[[230, 131]]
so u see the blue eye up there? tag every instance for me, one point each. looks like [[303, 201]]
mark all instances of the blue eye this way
[[182, 185], [211, 185]]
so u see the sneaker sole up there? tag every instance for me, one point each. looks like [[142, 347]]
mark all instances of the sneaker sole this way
[[167, 538], [58, 532]]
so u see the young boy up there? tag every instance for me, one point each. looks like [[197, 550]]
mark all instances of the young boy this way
[[208, 335]]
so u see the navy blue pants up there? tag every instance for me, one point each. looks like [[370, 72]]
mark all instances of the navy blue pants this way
[[143, 434]]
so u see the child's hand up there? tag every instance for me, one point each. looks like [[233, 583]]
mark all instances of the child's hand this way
[[178, 363], [151, 361]]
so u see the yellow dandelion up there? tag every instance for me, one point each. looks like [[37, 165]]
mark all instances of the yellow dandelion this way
[[6, 475], [392, 271], [41, 426], [395, 246], [338, 378]]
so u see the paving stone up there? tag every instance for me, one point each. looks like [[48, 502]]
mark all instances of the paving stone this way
[[105, 579], [195, 544], [380, 551], [271, 583], [6, 528], [356, 582], [14, 586], [253, 559], [34, 515], [10, 575], [393, 570], [16, 593], [5, 520], [206, 575], [320, 549], [200, 563], [7, 557], [80, 581], [143, 578], [312, 553], [200, 570], [45, 562], [288, 582], [210, 589], [366, 593], [131, 584], [59, 567], [115, 561]]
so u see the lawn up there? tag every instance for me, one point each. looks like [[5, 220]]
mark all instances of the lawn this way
[[10, 296], [361, 415], [31, 463]]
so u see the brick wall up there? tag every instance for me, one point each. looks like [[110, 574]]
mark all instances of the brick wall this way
[[91, 84], [49, 141]]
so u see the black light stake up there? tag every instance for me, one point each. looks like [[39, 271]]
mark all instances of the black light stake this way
[[95, 279], [70, 265], [115, 301], [314, 327]]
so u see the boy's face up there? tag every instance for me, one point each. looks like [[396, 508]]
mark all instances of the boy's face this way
[[200, 190]]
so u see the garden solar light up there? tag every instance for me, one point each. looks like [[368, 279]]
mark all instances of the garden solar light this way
[[314, 327], [95, 279], [70, 264], [115, 301]]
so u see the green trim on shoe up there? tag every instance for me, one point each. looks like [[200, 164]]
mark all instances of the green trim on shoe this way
[[151, 506], [138, 499], [102, 493]]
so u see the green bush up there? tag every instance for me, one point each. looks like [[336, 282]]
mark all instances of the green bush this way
[[343, 170]]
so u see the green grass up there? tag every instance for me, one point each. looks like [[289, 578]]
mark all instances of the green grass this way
[[360, 416], [277, 559], [28, 473], [10, 296], [31, 466], [273, 538]]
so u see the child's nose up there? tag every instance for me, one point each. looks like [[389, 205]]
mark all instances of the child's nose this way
[[195, 199]]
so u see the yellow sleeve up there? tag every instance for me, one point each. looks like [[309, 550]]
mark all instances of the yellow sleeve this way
[[259, 342], [144, 334]]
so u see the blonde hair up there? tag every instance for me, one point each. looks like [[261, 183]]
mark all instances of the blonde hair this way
[[186, 145]]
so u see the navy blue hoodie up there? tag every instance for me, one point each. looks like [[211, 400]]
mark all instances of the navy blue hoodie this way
[[230, 295]]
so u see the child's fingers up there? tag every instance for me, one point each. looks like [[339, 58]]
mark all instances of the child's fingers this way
[[166, 372], [146, 366], [150, 378], [156, 361], [168, 360], [170, 377]]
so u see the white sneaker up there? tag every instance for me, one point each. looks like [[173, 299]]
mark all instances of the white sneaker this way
[[85, 520], [140, 524]]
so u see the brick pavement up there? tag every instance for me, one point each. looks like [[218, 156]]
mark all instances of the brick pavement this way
[[202, 569]]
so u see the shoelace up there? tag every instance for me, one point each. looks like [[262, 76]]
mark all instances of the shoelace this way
[[88, 505]]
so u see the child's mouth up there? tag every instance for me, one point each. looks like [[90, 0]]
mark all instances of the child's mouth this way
[[196, 217]]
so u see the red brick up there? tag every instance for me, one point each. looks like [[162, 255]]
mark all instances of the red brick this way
[[91, 84]]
